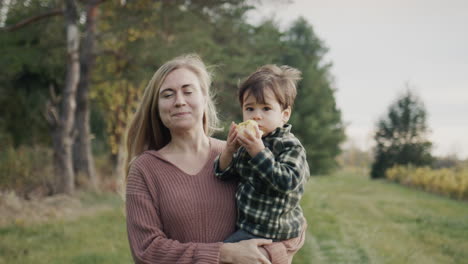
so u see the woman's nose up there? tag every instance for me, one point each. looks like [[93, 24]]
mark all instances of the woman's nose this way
[[179, 100]]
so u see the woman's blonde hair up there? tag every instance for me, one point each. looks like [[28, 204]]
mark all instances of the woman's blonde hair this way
[[146, 130]]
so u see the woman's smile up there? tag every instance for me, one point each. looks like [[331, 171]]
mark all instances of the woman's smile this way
[[180, 114]]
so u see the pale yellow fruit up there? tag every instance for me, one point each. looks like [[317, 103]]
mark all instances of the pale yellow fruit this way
[[249, 125]]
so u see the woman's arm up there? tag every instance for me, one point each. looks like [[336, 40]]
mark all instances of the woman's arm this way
[[282, 252]]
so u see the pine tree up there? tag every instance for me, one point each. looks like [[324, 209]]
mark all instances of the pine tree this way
[[401, 136], [316, 118]]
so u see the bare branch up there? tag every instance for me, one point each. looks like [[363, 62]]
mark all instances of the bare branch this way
[[51, 114], [55, 99], [25, 22]]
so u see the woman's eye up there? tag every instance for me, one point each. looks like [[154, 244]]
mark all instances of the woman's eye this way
[[188, 92], [167, 95]]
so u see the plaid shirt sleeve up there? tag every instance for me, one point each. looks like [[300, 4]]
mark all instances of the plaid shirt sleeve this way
[[284, 173], [227, 174]]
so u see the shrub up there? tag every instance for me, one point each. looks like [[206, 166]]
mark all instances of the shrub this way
[[450, 182], [26, 170]]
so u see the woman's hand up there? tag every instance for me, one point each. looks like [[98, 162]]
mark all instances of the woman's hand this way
[[252, 143], [244, 252]]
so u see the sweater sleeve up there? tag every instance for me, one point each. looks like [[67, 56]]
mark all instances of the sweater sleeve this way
[[282, 252], [148, 243]]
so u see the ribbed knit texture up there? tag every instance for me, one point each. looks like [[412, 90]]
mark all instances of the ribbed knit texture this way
[[174, 217]]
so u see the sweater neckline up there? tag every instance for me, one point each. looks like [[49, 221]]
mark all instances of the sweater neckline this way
[[209, 160]]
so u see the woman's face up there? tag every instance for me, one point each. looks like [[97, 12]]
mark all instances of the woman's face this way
[[181, 101]]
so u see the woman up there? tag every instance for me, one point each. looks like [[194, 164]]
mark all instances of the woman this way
[[177, 212]]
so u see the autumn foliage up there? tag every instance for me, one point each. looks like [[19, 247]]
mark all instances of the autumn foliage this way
[[452, 182]]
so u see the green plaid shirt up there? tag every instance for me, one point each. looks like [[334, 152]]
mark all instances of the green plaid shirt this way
[[271, 185]]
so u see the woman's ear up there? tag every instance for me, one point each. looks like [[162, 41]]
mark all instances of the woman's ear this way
[[286, 114]]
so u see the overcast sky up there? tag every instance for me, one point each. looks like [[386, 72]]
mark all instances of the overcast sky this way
[[376, 46]]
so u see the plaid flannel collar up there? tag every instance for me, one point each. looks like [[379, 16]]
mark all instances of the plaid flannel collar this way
[[279, 132]]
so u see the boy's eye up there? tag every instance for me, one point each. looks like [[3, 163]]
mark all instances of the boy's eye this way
[[266, 108], [249, 109]]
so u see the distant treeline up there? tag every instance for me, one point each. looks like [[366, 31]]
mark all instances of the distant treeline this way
[[121, 45]]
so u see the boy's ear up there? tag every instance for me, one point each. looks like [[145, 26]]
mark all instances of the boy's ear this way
[[286, 114]]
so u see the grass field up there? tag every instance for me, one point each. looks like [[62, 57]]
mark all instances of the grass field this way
[[355, 220], [351, 220]]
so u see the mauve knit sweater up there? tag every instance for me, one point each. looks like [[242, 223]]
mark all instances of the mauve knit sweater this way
[[174, 217]]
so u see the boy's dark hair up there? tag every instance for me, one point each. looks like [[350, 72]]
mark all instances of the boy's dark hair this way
[[282, 80]]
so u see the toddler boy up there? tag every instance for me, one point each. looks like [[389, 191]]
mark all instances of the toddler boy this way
[[270, 163]]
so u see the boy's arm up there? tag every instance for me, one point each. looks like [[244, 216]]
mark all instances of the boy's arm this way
[[283, 173], [225, 159], [224, 167]]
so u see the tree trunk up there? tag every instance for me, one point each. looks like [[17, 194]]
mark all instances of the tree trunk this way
[[63, 130], [120, 172], [82, 153]]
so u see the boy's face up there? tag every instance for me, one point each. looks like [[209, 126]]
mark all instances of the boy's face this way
[[269, 114]]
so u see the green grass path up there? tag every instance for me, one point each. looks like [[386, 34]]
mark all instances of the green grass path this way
[[356, 220], [351, 220]]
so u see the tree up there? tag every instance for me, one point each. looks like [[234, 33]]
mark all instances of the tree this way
[[61, 110], [316, 118], [152, 33], [83, 161], [401, 136], [61, 113], [30, 64], [62, 123], [244, 49], [128, 51]]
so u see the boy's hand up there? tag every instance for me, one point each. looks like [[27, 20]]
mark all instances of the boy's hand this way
[[252, 143], [232, 144]]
